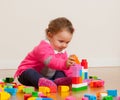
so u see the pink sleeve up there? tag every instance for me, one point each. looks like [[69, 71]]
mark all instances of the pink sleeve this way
[[44, 51], [58, 63]]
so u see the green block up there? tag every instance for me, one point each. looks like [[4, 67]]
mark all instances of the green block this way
[[80, 88], [28, 90], [8, 80], [35, 94], [108, 98]]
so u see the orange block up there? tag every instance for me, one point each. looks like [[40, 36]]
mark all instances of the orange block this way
[[76, 59]]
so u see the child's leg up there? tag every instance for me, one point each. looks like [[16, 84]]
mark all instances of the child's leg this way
[[59, 74], [30, 77], [61, 79]]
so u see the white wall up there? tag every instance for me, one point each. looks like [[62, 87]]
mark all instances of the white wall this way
[[96, 22]]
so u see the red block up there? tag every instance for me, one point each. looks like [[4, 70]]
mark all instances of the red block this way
[[76, 80], [26, 96], [84, 63]]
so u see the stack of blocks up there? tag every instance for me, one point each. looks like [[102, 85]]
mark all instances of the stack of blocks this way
[[79, 76]]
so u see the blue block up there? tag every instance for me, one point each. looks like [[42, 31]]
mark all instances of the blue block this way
[[47, 99], [80, 72], [86, 75], [90, 97], [12, 91], [38, 99], [112, 92], [43, 98]]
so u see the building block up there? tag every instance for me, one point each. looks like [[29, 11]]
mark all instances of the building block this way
[[112, 92], [1, 89], [12, 91], [2, 84], [40, 94], [79, 74], [84, 63], [4, 95], [76, 80], [44, 89], [93, 77], [77, 70], [35, 94], [8, 85], [26, 96], [8, 79], [63, 88], [79, 87], [43, 98], [64, 94], [53, 89], [118, 97], [90, 96], [28, 90], [84, 98], [38, 98], [96, 83], [32, 98], [47, 99], [70, 98], [76, 59], [20, 88], [108, 98], [101, 95]]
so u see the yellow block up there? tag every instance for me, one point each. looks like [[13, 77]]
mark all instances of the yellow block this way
[[63, 88], [44, 89], [4, 95]]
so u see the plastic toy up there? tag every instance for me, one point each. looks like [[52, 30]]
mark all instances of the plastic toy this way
[[84, 98], [90, 97], [26, 96], [43, 99], [70, 98], [84, 63], [100, 95], [63, 88], [32, 98], [118, 97], [96, 83], [44, 89], [76, 59], [28, 89], [108, 98], [4, 96], [112, 92], [79, 74], [35, 94], [12, 91], [20, 88], [8, 79], [93, 77]]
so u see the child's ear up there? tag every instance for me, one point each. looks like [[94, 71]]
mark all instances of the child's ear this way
[[49, 35]]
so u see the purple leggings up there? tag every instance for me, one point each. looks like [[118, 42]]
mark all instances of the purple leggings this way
[[30, 77]]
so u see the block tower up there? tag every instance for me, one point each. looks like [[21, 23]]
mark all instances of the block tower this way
[[80, 76]]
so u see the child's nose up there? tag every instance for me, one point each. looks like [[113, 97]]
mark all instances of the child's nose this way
[[64, 45]]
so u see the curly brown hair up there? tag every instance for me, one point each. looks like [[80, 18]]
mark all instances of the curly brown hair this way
[[60, 24]]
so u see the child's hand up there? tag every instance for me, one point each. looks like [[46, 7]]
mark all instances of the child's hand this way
[[70, 61]]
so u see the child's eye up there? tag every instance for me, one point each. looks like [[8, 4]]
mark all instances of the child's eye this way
[[67, 42], [61, 41]]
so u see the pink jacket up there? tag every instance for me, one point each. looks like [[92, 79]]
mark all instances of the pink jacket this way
[[43, 54]]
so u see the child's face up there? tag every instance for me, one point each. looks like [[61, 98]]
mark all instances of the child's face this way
[[60, 40]]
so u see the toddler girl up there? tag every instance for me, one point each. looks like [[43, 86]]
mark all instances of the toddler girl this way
[[48, 63]]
